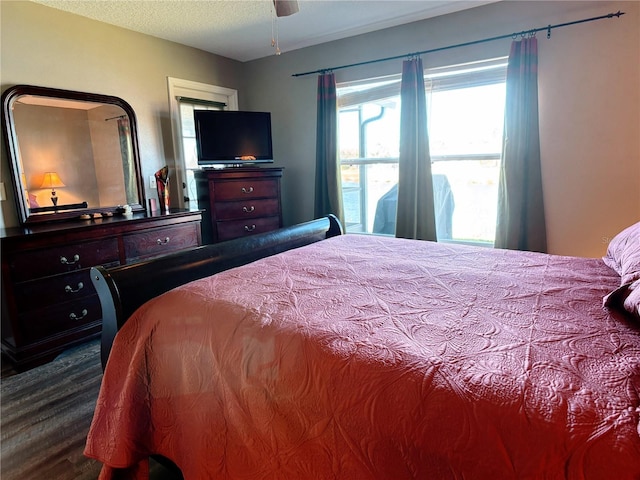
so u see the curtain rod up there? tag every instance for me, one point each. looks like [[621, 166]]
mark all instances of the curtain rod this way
[[474, 42]]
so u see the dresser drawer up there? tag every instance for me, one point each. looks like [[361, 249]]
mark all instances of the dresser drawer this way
[[240, 228], [248, 209], [160, 241], [62, 259], [245, 189], [61, 317], [39, 293]]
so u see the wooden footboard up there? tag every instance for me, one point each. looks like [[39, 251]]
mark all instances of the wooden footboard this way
[[123, 289]]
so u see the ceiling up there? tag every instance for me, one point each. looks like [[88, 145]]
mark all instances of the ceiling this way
[[242, 29]]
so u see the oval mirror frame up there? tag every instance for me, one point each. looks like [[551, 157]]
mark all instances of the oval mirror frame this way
[[29, 213]]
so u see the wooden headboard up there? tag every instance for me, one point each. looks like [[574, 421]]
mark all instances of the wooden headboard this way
[[123, 289]]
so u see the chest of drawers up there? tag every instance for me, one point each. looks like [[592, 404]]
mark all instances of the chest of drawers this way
[[238, 202], [48, 300]]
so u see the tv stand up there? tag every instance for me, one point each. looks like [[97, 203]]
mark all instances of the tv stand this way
[[238, 202]]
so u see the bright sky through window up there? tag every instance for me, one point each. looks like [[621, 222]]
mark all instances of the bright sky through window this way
[[465, 113]]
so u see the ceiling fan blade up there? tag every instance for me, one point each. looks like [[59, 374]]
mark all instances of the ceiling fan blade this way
[[284, 8]]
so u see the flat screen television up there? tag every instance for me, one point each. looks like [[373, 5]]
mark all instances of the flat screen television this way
[[231, 137]]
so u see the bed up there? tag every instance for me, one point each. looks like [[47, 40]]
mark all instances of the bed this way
[[331, 356]]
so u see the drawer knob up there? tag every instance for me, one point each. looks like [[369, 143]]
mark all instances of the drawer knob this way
[[163, 242], [69, 288], [83, 314], [248, 228], [249, 209], [65, 261], [247, 190]]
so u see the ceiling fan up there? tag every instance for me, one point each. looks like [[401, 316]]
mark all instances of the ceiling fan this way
[[284, 8]]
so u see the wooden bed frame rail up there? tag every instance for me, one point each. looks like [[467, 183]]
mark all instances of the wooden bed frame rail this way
[[123, 289]]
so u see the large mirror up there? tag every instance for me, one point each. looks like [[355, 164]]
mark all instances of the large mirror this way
[[72, 154]]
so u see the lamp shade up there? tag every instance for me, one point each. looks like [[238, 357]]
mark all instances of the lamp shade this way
[[51, 180]]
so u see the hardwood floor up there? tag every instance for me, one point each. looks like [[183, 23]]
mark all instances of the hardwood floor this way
[[45, 415]]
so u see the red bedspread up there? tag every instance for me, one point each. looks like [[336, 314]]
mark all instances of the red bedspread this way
[[366, 357]]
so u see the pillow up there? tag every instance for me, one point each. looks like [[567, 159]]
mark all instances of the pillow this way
[[623, 254], [625, 297], [632, 302]]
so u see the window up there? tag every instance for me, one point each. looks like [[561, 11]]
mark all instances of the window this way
[[184, 97], [465, 111]]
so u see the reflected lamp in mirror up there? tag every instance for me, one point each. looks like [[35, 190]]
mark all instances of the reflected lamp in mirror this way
[[52, 180], [64, 131]]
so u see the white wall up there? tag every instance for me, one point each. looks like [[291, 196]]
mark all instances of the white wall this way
[[589, 91]]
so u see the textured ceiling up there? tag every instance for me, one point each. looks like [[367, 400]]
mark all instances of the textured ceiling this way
[[242, 29]]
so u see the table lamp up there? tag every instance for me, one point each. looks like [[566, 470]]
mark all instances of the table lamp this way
[[52, 180]]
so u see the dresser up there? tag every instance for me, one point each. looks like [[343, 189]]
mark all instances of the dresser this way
[[238, 202], [48, 300]]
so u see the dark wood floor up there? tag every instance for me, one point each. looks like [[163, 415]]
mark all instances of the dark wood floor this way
[[45, 415]]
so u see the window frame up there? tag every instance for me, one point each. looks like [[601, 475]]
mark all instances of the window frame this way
[[438, 79], [193, 91]]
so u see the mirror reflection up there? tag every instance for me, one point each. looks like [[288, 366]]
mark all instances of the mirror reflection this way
[[72, 156]]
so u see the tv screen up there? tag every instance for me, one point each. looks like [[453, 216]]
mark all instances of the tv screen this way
[[226, 137]]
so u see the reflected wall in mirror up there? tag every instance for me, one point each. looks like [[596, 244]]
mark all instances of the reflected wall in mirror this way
[[71, 153]]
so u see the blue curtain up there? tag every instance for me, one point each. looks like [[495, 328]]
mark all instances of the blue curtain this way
[[415, 217], [328, 191], [520, 223]]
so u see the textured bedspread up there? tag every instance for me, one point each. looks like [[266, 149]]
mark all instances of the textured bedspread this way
[[366, 357]]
